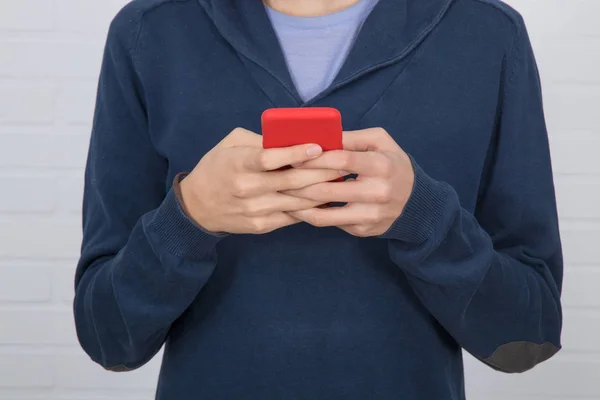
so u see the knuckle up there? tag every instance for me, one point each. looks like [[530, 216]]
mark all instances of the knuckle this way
[[318, 222], [235, 134], [321, 222], [259, 226], [362, 230], [241, 187], [315, 221], [384, 194], [348, 159], [293, 180], [263, 160], [387, 167], [375, 215], [238, 137], [252, 209], [380, 131]]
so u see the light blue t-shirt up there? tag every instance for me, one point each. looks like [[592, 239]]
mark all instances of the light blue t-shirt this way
[[315, 48]]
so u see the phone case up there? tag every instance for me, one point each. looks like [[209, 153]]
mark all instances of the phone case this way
[[283, 127]]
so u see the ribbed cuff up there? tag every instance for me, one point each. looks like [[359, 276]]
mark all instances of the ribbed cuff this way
[[422, 211], [179, 234]]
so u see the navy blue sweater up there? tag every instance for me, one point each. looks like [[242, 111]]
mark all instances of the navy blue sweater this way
[[473, 262]]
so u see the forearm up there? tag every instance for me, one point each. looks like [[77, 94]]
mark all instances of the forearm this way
[[126, 302], [499, 301]]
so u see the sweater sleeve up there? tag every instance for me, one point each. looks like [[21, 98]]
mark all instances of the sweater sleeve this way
[[143, 261], [493, 278]]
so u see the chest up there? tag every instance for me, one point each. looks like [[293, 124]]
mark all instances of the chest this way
[[442, 113]]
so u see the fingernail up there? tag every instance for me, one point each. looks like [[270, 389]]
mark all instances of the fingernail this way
[[314, 150], [344, 173]]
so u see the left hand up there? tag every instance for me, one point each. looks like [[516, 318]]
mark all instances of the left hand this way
[[375, 199]]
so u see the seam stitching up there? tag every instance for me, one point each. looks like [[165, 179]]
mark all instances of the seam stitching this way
[[154, 7], [409, 48], [497, 5]]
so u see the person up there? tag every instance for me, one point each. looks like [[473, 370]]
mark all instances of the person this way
[[196, 238]]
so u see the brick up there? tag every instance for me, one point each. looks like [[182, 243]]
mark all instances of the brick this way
[[571, 107], [92, 377], [29, 15], [551, 18], [51, 394], [578, 196], [44, 151], [45, 325], [555, 59], [488, 396], [580, 287], [76, 100], [29, 371], [577, 339], [71, 192], [89, 17], [28, 194], [40, 238], [563, 376], [61, 59], [580, 243], [584, 144], [26, 101], [63, 283], [19, 129], [22, 283]]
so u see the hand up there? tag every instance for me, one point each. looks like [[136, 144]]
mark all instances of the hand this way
[[375, 199], [235, 186]]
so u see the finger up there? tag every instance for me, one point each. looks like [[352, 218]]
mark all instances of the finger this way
[[272, 159], [368, 163], [275, 202], [360, 230], [373, 139], [269, 223], [350, 191], [255, 184], [290, 179], [352, 214], [361, 140]]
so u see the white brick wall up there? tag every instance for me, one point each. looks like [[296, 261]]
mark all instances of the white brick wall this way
[[50, 52]]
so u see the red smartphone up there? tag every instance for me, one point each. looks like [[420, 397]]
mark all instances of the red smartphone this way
[[284, 127]]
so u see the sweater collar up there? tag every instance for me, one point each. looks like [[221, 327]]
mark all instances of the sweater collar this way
[[392, 30]]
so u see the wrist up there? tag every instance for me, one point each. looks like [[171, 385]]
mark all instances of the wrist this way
[[422, 212], [170, 228], [184, 191]]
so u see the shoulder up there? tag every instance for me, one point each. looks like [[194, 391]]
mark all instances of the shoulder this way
[[498, 19], [127, 23], [504, 28], [496, 9]]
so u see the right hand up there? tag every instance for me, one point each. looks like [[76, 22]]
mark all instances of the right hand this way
[[235, 186]]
